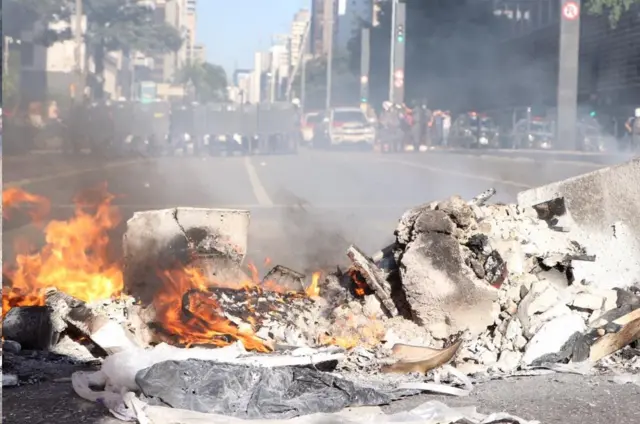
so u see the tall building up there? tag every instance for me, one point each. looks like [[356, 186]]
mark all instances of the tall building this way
[[191, 22], [352, 14], [298, 28], [322, 11]]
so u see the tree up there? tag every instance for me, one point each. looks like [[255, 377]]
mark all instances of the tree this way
[[21, 15], [122, 25], [613, 9], [209, 81]]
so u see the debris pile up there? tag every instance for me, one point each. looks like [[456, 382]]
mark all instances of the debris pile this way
[[467, 288]]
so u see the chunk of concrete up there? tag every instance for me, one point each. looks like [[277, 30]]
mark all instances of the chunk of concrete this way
[[162, 239], [601, 208], [588, 301], [440, 296], [553, 337]]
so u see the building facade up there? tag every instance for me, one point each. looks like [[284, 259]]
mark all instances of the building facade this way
[[322, 13], [609, 57], [298, 29]]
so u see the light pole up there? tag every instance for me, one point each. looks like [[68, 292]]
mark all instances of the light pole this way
[[568, 63]]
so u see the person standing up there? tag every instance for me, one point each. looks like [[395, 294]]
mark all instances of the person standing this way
[[446, 128]]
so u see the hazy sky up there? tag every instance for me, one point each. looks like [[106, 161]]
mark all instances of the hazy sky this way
[[232, 30]]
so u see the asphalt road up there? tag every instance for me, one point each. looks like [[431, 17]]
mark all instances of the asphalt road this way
[[346, 197]]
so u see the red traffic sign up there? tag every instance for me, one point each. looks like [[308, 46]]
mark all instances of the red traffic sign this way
[[571, 10], [399, 74], [398, 83]]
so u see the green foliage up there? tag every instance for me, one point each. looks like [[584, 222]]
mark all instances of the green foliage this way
[[21, 15], [207, 80], [123, 25], [613, 9]]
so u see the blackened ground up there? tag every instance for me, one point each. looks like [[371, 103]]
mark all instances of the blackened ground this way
[[306, 210]]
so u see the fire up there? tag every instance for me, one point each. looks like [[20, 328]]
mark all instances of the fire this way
[[74, 258], [191, 315], [314, 289], [38, 206]]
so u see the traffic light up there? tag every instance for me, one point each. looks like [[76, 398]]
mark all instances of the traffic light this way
[[400, 33], [363, 100], [592, 114]]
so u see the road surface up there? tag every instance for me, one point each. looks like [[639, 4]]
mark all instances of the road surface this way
[[306, 210], [346, 197]]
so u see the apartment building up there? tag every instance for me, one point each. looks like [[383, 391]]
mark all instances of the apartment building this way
[[298, 28], [47, 72], [322, 12]]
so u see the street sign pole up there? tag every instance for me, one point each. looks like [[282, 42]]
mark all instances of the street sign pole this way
[[569, 54], [398, 42], [365, 55]]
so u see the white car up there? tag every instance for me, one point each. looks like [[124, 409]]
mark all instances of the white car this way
[[350, 125]]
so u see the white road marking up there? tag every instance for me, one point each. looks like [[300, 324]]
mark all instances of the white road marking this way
[[70, 173], [258, 189], [457, 173]]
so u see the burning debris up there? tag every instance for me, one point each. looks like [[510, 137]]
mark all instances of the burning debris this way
[[467, 288]]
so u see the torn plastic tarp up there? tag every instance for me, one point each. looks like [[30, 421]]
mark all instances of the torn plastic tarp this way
[[431, 412], [252, 392]]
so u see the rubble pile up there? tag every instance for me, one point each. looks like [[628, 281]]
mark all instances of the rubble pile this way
[[467, 288], [503, 275]]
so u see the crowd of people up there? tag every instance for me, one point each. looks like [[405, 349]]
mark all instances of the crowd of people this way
[[417, 126]]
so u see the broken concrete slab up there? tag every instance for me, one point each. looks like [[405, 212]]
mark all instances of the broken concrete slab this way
[[601, 207], [161, 239], [438, 292], [553, 337]]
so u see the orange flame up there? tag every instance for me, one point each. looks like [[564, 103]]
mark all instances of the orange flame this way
[[74, 259], [314, 289], [187, 310], [38, 206]]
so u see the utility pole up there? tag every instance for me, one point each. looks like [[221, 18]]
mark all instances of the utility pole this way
[[329, 10], [394, 5], [365, 59], [398, 28], [79, 40], [568, 62]]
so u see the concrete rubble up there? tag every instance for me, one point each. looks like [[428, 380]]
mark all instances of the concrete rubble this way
[[467, 288]]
